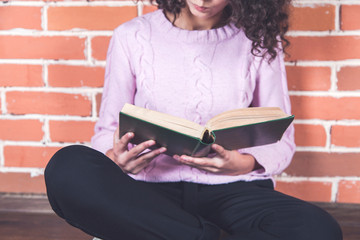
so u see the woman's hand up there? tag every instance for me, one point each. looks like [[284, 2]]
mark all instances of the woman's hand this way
[[224, 162], [132, 161]]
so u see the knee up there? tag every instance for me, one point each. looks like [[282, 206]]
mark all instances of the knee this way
[[329, 226], [54, 175], [69, 155], [320, 225], [301, 221], [62, 173], [64, 163], [61, 159]]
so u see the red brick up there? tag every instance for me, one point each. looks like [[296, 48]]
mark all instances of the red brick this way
[[149, 9], [345, 136], [89, 17], [350, 17], [348, 79], [21, 130], [325, 48], [98, 103], [16, 75], [306, 190], [68, 0], [21, 183], [314, 18], [46, 0], [48, 103], [28, 156], [20, 17], [308, 78], [44, 47], [310, 135], [75, 76], [324, 164], [349, 192], [327, 108], [100, 46], [71, 131]]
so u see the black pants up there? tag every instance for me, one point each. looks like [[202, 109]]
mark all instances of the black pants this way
[[91, 192]]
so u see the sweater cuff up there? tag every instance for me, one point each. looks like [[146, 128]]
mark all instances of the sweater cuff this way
[[264, 155]]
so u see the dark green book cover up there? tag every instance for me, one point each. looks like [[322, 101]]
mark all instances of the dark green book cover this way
[[230, 138], [252, 135]]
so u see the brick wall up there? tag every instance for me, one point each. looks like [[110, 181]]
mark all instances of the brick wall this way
[[52, 58], [324, 83]]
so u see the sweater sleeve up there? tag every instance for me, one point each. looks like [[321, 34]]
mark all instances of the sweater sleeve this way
[[271, 91], [119, 88]]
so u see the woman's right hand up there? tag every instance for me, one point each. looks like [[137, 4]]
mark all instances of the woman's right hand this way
[[132, 161]]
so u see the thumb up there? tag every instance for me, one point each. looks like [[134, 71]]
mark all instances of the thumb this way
[[116, 141], [121, 144], [219, 150]]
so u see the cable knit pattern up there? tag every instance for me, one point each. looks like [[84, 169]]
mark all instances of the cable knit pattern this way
[[203, 83], [146, 79], [202, 101], [144, 52], [194, 75]]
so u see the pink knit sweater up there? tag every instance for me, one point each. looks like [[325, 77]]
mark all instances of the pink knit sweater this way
[[194, 75]]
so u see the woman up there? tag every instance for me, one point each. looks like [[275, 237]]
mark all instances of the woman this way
[[192, 59]]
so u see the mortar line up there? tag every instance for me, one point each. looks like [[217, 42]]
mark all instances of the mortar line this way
[[337, 18], [335, 190], [44, 18], [333, 78]]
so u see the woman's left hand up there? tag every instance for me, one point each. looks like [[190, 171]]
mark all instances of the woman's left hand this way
[[225, 162]]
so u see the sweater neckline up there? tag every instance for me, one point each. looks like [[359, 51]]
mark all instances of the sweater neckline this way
[[192, 36]]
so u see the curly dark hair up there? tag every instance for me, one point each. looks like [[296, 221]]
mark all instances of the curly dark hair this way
[[264, 22]]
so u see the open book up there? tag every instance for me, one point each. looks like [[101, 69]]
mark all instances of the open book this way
[[235, 129]]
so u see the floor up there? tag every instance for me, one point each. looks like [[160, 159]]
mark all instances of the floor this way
[[31, 218]]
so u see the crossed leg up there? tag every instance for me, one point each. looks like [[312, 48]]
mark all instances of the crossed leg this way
[[91, 192], [253, 210]]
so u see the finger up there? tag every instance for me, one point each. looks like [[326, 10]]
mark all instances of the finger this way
[[116, 140], [127, 159], [137, 169], [135, 151], [140, 163], [219, 150], [146, 157], [213, 163], [211, 169], [134, 168], [154, 153], [121, 145], [203, 162]]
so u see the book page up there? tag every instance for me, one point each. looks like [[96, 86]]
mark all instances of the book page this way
[[245, 116], [165, 120]]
